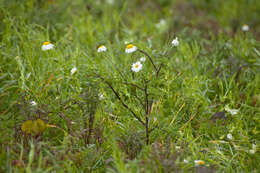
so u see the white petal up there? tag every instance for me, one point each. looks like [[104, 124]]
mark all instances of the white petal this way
[[73, 70], [33, 103], [175, 42], [47, 47], [229, 136], [102, 49], [131, 50]]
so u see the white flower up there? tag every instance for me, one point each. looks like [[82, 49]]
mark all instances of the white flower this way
[[47, 46], [162, 23], [130, 48], [199, 162], [101, 96], [229, 136], [185, 161], [101, 48], [73, 70], [175, 42], [253, 146], [231, 111], [245, 28], [136, 67], [33, 103], [142, 59], [253, 150]]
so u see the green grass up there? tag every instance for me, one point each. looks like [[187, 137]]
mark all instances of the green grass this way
[[215, 66]]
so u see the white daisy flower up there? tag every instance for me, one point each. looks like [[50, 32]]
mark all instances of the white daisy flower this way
[[253, 150], [130, 48], [162, 23], [229, 136], [231, 111], [101, 48], [101, 96], [73, 70], [185, 161], [47, 46], [245, 28], [142, 59], [136, 67], [175, 42], [199, 162], [33, 103]]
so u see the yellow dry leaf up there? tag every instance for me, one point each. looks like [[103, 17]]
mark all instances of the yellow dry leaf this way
[[36, 127], [27, 126]]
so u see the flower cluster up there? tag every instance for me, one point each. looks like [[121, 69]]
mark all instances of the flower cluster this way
[[130, 48]]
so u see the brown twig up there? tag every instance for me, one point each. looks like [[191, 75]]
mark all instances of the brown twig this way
[[121, 101], [146, 113], [157, 69], [151, 60], [134, 85]]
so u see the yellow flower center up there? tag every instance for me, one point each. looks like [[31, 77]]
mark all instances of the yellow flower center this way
[[46, 43], [136, 65], [200, 162], [100, 46], [130, 46]]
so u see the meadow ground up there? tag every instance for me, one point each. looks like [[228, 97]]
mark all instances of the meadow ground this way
[[174, 88]]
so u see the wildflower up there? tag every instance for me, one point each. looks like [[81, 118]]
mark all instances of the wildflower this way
[[253, 150], [161, 24], [175, 42], [47, 46], [199, 162], [101, 48], [33, 103], [130, 48], [229, 136], [101, 96], [73, 70], [231, 111], [185, 161], [245, 28], [254, 146], [142, 59], [136, 67]]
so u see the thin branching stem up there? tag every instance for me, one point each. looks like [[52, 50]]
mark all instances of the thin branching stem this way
[[149, 57], [146, 113], [121, 101]]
